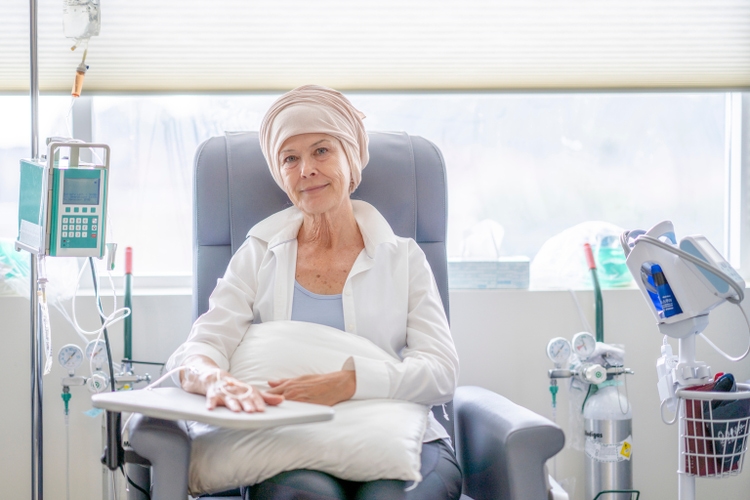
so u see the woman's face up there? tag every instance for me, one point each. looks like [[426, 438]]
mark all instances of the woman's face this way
[[315, 172]]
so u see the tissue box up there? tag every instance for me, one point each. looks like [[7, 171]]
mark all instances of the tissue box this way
[[507, 272]]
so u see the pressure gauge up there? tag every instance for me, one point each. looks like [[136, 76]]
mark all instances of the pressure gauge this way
[[583, 345], [70, 357], [558, 350], [96, 352]]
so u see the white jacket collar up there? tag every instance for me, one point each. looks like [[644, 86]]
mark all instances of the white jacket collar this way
[[283, 227]]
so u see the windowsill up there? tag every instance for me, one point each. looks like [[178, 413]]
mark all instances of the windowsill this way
[[547, 290], [145, 286], [152, 288], [142, 286]]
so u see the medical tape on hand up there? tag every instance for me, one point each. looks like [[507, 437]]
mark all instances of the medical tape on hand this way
[[222, 383]]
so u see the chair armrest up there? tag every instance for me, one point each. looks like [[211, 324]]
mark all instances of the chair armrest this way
[[166, 444], [502, 447]]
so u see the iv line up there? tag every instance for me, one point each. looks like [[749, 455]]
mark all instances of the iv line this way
[[717, 349], [584, 321], [67, 456], [114, 317]]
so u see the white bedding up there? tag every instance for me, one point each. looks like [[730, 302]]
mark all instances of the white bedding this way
[[366, 440]]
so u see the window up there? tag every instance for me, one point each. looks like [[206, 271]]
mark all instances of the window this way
[[534, 163], [540, 163], [153, 140], [15, 143]]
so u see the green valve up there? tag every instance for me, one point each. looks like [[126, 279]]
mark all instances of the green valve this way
[[553, 390], [66, 398]]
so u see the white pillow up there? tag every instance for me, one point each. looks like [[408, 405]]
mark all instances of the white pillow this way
[[365, 441]]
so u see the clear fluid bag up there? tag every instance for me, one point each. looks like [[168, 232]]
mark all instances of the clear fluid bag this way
[[81, 18]]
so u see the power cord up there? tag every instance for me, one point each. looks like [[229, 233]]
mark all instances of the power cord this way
[[717, 349], [131, 483], [104, 321]]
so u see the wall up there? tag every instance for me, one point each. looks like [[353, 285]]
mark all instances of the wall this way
[[500, 336], [160, 322]]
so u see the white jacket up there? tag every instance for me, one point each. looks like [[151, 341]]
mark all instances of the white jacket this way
[[390, 297]]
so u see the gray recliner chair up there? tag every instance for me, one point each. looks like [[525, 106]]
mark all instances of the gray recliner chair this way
[[501, 447]]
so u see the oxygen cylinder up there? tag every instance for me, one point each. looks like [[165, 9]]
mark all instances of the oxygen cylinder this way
[[608, 445]]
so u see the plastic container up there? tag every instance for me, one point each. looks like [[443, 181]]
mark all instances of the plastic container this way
[[714, 428], [81, 18]]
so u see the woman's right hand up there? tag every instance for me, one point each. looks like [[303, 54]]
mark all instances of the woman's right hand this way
[[221, 388]]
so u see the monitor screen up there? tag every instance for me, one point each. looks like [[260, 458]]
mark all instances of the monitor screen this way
[[708, 249], [80, 191]]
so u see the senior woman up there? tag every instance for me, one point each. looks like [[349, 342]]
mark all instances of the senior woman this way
[[334, 261]]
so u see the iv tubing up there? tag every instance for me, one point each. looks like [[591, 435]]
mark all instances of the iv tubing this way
[[104, 328], [67, 456], [553, 390], [717, 349], [584, 321], [44, 311], [108, 320]]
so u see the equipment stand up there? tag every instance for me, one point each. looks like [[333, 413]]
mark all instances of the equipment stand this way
[[37, 361], [686, 485], [712, 440]]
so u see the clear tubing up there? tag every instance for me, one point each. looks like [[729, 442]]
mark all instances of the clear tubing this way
[[584, 321], [112, 318], [554, 459], [553, 391], [47, 331], [717, 349], [67, 457], [44, 311]]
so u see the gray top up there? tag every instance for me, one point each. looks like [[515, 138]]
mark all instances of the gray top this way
[[322, 309]]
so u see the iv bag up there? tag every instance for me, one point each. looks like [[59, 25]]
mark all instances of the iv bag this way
[[81, 18]]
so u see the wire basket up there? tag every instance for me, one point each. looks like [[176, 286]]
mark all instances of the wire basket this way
[[714, 429]]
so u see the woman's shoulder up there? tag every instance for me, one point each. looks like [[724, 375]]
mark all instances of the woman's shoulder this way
[[376, 230], [281, 226]]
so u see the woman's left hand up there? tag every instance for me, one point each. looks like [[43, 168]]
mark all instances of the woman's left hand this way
[[327, 389]]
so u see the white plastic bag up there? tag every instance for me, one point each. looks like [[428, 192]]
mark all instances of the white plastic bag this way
[[14, 270], [561, 262]]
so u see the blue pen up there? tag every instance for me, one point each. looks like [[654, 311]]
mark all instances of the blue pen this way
[[669, 303]]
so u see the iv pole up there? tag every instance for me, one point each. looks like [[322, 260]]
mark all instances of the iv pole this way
[[37, 472]]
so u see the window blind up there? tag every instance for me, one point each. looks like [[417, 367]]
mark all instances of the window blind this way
[[244, 45]]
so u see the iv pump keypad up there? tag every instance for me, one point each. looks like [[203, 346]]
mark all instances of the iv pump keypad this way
[[78, 228]]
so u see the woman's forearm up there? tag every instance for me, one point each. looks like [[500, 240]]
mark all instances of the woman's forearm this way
[[204, 377]]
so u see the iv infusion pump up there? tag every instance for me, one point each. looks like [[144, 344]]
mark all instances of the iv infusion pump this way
[[63, 202]]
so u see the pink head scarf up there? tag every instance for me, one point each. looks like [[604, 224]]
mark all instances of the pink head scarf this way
[[312, 109]]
